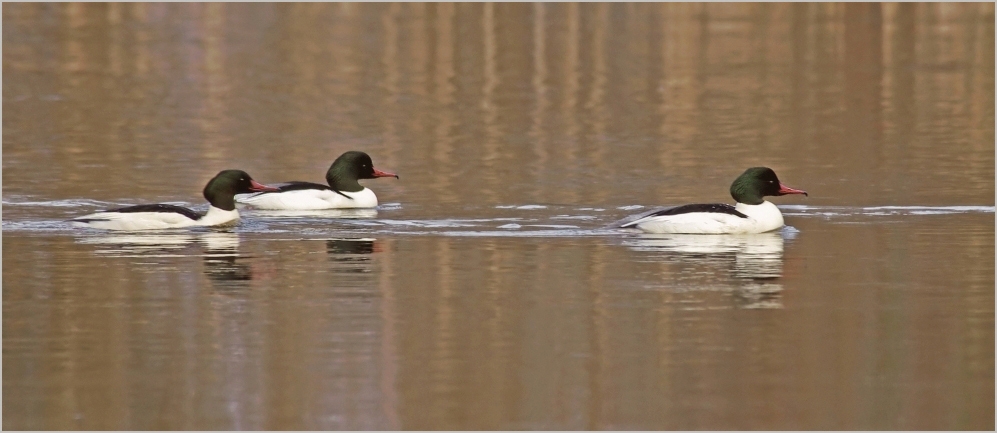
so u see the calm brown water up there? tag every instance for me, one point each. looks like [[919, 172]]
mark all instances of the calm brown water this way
[[486, 292]]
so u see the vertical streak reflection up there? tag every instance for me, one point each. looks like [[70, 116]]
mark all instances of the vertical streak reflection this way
[[571, 72], [445, 101], [389, 341], [389, 61], [488, 98], [596, 101], [212, 112], [540, 93], [445, 344]]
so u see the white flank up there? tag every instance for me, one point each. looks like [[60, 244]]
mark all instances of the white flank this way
[[762, 218], [217, 217], [309, 199], [154, 220]]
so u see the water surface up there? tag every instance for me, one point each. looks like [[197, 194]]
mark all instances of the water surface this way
[[487, 290]]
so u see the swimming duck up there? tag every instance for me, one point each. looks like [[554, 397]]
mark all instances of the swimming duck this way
[[220, 193], [343, 192], [751, 214]]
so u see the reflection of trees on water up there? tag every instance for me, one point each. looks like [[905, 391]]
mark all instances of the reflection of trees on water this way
[[755, 263], [839, 81]]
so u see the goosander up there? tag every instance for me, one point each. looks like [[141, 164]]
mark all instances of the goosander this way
[[343, 192], [752, 214], [220, 193]]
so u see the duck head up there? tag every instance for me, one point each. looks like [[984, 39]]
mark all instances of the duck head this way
[[758, 182], [351, 167], [221, 189]]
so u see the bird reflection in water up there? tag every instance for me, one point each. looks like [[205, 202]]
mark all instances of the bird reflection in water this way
[[352, 255], [222, 263], [160, 244], [219, 250], [755, 262]]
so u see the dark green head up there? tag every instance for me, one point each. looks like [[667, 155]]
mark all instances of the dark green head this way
[[221, 190], [758, 182], [351, 167]]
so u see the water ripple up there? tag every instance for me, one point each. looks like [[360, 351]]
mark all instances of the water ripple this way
[[540, 220]]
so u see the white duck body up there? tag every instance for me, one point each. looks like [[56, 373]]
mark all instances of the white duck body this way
[[157, 220], [220, 192], [343, 191], [752, 214], [759, 218], [310, 199]]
